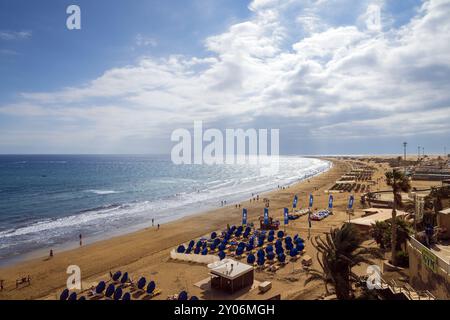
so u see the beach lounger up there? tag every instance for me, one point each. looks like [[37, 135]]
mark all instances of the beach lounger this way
[[72, 297], [116, 276], [110, 290], [126, 296], [64, 295], [183, 296], [117, 294]]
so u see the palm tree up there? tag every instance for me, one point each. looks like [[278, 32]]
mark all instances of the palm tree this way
[[399, 183], [337, 254]]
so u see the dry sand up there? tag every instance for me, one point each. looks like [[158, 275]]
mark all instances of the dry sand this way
[[146, 252]]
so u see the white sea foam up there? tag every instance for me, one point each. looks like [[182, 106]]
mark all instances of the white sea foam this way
[[102, 192]]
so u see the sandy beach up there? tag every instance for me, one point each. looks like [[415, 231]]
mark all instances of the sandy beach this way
[[146, 252]]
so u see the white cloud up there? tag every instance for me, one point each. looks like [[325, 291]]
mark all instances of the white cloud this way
[[339, 79], [143, 41], [14, 35]]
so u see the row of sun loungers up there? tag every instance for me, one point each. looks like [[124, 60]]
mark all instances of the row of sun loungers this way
[[349, 187], [120, 287]]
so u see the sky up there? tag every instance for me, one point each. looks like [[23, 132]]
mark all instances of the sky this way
[[327, 73]]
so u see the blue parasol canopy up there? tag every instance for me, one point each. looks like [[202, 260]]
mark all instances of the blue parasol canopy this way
[[181, 249], [193, 298], [222, 255], [293, 252], [280, 234], [260, 261], [270, 256], [213, 235], [251, 259], [300, 246], [281, 258], [279, 250], [260, 253]]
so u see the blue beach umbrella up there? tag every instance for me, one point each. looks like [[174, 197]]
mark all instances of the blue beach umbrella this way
[[251, 259], [181, 249], [213, 235], [279, 250], [260, 253], [289, 246], [204, 251], [193, 298], [269, 249], [300, 247], [278, 243], [270, 256], [197, 250], [280, 234], [293, 252], [222, 255], [281, 258], [260, 261]]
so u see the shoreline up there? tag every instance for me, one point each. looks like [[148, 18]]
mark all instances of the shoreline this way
[[183, 213], [98, 258]]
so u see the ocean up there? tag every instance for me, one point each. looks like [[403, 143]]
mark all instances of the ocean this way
[[46, 201]]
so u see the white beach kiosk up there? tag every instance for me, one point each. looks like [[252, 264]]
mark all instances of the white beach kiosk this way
[[230, 275]]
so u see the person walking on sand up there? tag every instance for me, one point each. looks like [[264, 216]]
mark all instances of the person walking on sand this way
[[153, 222], [51, 253], [158, 226], [81, 239]]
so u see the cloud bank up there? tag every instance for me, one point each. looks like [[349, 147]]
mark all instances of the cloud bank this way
[[318, 70]]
